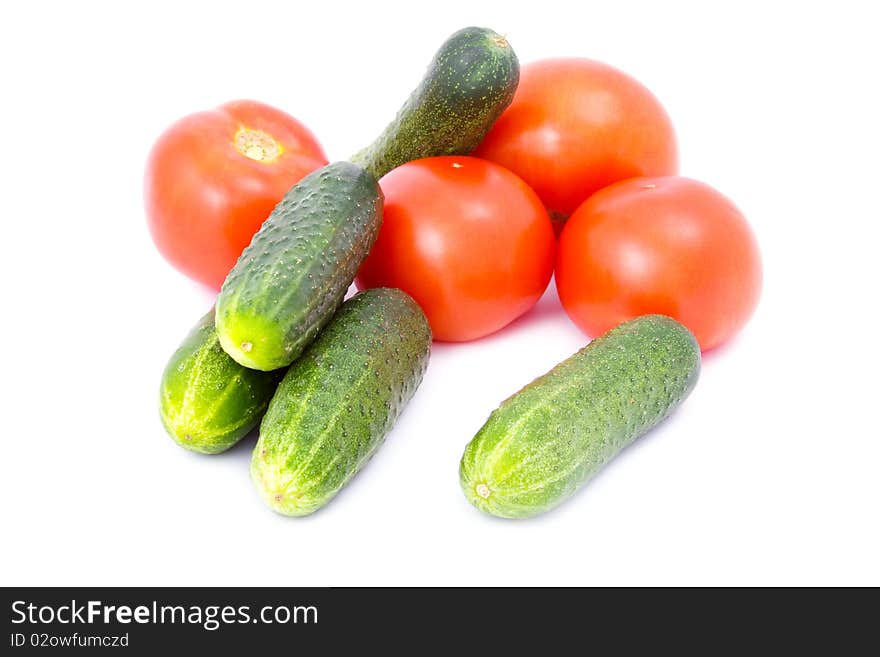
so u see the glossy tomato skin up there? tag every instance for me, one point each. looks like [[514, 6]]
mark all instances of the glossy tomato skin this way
[[213, 177], [576, 126], [668, 245], [467, 239]]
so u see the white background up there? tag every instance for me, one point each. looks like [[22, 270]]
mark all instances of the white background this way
[[767, 475]]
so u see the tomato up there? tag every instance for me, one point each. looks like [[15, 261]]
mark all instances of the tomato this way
[[213, 177], [666, 245], [467, 239], [576, 126]]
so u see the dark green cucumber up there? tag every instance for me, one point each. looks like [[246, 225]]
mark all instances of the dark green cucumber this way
[[548, 439], [294, 274], [339, 400], [470, 82], [207, 401]]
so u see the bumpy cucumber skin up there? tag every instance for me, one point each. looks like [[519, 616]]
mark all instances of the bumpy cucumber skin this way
[[339, 400], [294, 274], [207, 401], [548, 439], [470, 82]]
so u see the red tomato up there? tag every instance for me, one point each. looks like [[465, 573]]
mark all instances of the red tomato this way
[[576, 126], [669, 245], [467, 239], [213, 177]]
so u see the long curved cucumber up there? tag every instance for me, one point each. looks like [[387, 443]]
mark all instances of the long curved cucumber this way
[[547, 440], [294, 274]]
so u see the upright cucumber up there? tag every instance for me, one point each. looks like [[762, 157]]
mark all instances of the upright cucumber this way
[[207, 401], [339, 400], [469, 83], [289, 281], [548, 439], [294, 274]]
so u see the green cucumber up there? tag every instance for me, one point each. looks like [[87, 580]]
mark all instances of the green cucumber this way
[[207, 401], [547, 440], [469, 83], [339, 400], [294, 274], [289, 281]]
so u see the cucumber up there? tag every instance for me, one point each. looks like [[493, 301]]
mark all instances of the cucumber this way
[[291, 278], [338, 401], [294, 274], [207, 401], [547, 440], [469, 83]]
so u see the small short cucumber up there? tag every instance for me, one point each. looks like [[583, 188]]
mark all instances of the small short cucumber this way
[[339, 400], [469, 83], [294, 274], [547, 440], [207, 401]]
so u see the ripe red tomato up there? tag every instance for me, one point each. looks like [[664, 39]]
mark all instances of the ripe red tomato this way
[[576, 126], [669, 245], [213, 177], [467, 239]]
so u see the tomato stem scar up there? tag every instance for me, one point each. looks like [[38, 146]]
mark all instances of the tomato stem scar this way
[[257, 145]]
